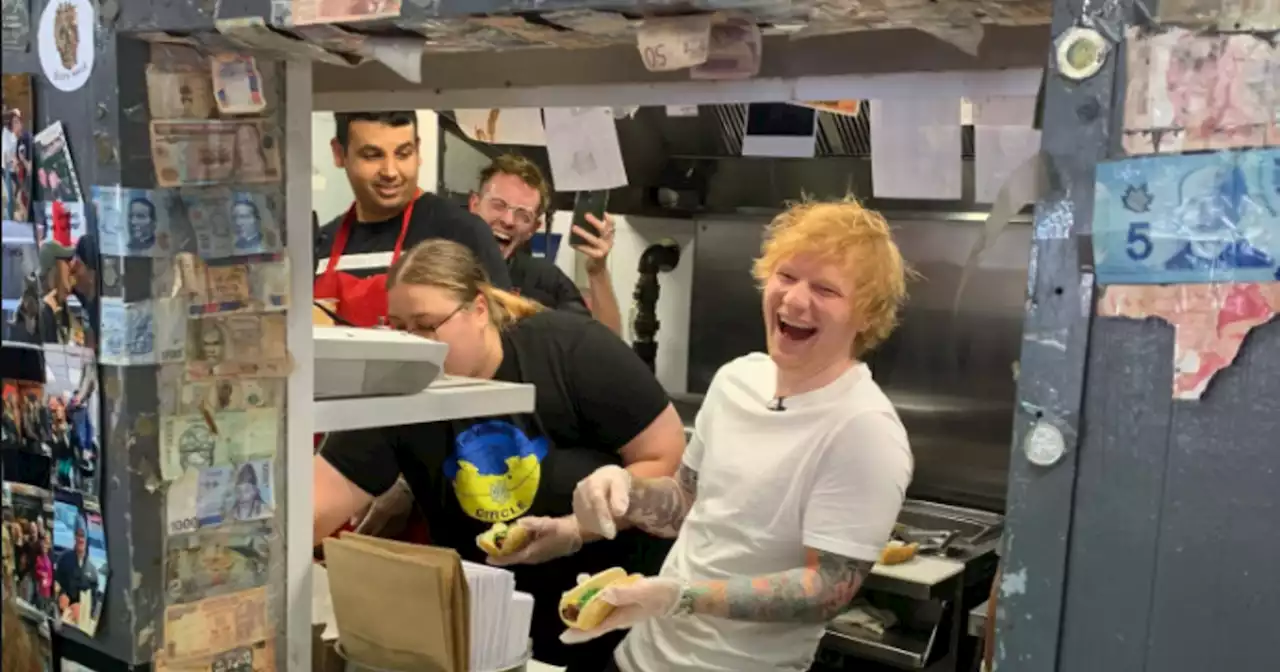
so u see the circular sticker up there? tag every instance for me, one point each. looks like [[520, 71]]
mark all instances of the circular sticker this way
[[1045, 445], [65, 42], [1081, 53], [144, 426]]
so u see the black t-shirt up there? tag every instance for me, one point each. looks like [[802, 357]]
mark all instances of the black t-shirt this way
[[593, 395], [539, 279], [371, 244]]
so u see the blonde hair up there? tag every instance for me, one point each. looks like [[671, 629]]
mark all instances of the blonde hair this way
[[859, 241], [451, 266]]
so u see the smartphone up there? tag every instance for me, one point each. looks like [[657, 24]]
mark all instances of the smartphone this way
[[593, 202]]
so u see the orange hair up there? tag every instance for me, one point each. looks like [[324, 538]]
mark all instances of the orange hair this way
[[859, 241]]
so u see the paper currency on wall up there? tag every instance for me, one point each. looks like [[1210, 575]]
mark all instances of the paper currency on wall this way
[[513, 126], [1251, 15], [216, 624], [1188, 218], [202, 440], [238, 345], [582, 147], [736, 50], [343, 11], [133, 222], [17, 164], [229, 223], [214, 152], [180, 396], [55, 171], [142, 332], [252, 32], [1210, 323], [212, 496], [179, 93], [210, 563], [237, 84], [259, 657], [1188, 91], [674, 42], [349, 44]]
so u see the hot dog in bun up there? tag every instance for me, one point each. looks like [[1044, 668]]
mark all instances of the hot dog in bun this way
[[580, 609], [501, 540]]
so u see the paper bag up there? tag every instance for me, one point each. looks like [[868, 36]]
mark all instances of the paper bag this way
[[399, 606]]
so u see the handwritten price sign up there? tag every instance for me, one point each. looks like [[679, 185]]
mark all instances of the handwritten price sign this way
[[674, 43]]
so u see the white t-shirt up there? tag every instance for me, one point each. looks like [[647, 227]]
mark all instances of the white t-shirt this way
[[829, 472]]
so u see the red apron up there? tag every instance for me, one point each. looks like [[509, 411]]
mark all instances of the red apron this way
[[360, 301], [363, 303]]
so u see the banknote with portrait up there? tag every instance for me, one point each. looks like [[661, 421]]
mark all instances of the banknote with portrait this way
[[237, 84], [128, 332], [214, 152], [237, 345], [221, 494], [258, 657], [1191, 91], [179, 93], [1188, 218], [206, 439], [208, 563], [132, 222], [216, 624], [230, 287], [229, 223], [181, 396]]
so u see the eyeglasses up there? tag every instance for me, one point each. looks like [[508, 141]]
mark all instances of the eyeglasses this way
[[427, 332], [521, 216]]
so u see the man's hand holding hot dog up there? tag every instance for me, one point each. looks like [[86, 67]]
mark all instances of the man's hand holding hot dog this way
[[531, 540]]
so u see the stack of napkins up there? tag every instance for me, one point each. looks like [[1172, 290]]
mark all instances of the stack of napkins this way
[[500, 618]]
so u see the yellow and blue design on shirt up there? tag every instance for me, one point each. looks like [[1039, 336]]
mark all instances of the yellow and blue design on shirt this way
[[495, 469]]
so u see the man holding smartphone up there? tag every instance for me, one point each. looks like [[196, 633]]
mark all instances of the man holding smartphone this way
[[512, 197]]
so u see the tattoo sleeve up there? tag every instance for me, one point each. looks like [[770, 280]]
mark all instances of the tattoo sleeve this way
[[815, 593], [659, 505]]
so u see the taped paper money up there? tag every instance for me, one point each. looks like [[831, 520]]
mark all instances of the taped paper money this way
[[239, 345], [217, 624], [212, 496], [214, 152], [674, 42], [201, 440]]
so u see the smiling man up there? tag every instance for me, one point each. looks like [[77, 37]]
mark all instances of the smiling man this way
[[379, 152], [795, 474], [512, 198]]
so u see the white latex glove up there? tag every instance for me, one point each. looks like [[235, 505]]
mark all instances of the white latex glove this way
[[549, 538], [602, 498], [650, 597]]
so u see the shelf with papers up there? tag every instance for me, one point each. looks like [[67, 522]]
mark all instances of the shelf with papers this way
[[446, 399]]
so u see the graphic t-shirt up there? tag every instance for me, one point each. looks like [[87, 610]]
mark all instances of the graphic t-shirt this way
[[593, 395]]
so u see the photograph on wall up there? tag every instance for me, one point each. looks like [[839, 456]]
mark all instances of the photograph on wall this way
[[16, 17], [79, 561], [28, 542], [19, 284], [24, 455], [55, 171], [70, 391], [17, 150]]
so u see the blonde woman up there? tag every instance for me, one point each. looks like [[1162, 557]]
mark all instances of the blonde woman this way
[[596, 404]]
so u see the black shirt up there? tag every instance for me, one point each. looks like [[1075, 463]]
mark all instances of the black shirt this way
[[538, 278], [433, 217], [73, 577], [593, 395]]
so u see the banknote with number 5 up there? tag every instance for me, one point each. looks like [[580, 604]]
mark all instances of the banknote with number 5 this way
[[1188, 218]]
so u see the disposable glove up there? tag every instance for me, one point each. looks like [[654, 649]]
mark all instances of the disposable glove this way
[[650, 597], [549, 538], [600, 499]]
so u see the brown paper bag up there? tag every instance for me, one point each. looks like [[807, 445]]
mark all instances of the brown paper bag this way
[[399, 606]]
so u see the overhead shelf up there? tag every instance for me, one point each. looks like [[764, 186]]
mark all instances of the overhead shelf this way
[[447, 399]]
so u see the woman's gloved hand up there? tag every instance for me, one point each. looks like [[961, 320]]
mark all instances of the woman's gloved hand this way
[[549, 538], [388, 513], [601, 499], [650, 597]]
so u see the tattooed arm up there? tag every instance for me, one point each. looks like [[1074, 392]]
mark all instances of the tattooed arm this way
[[815, 593], [658, 505]]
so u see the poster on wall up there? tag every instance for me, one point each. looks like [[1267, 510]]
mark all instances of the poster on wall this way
[[17, 148], [55, 171], [65, 43]]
